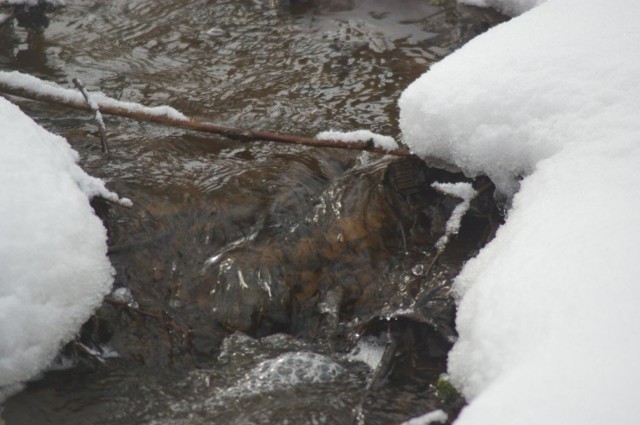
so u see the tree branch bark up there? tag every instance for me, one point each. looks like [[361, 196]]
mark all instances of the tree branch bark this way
[[244, 135]]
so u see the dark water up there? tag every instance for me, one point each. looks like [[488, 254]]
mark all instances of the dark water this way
[[255, 268]]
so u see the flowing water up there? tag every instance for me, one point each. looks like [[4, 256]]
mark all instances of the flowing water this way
[[256, 283]]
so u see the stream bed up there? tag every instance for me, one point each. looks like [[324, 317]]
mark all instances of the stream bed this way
[[256, 283]]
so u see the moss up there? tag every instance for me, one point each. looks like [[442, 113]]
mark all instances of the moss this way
[[446, 392]]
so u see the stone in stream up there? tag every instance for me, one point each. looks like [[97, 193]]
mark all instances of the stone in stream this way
[[361, 240]]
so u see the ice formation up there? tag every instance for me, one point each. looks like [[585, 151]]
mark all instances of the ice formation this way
[[53, 263], [465, 192], [380, 141], [547, 106]]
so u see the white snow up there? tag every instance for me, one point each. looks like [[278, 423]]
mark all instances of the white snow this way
[[18, 80], [380, 141], [548, 313], [466, 193], [437, 416], [53, 265]]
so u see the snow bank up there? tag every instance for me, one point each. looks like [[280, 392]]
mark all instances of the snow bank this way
[[548, 314], [379, 141], [53, 265]]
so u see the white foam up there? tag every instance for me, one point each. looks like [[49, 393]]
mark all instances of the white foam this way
[[288, 370], [369, 351]]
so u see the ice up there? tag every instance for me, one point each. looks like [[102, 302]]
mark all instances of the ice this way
[[380, 141], [466, 193], [546, 105], [53, 265]]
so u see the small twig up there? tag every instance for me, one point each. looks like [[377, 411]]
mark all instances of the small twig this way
[[433, 262], [378, 377], [96, 111], [171, 323], [94, 354]]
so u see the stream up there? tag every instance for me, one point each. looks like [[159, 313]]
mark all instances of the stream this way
[[256, 283]]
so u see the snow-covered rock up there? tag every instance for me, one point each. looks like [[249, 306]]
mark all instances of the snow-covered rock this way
[[54, 269], [548, 106]]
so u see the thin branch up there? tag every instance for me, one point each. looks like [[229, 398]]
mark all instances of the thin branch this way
[[163, 316], [192, 124], [96, 112]]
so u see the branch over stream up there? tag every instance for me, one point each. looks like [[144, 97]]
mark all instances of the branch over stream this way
[[28, 87]]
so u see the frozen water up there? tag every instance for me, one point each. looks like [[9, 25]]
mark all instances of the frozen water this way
[[466, 193], [549, 328]]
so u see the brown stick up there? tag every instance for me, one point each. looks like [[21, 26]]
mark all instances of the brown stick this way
[[96, 113], [171, 323], [244, 135]]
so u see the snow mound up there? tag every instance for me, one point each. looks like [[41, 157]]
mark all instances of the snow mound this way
[[547, 106], [53, 265]]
